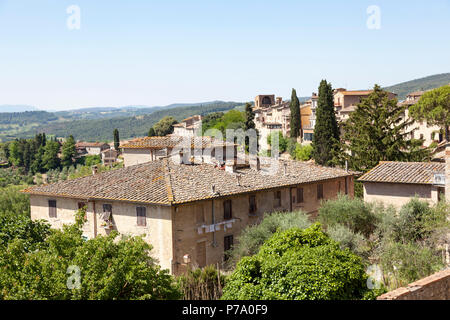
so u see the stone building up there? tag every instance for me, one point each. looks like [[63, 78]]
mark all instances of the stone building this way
[[189, 127], [271, 118], [345, 101], [90, 148], [421, 129], [397, 182], [190, 213], [147, 149], [308, 118]]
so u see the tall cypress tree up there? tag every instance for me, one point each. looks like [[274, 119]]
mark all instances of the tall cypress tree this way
[[116, 139], [250, 124], [326, 130], [296, 124]]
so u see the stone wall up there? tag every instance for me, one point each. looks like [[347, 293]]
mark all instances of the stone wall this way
[[434, 287]]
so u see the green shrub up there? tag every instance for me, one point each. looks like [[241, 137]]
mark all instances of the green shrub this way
[[298, 265], [252, 237], [303, 152], [357, 215], [346, 238], [404, 263], [202, 284]]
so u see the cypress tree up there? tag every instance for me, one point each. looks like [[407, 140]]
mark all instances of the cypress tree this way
[[151, 132], [296, 124], [116, 139], [326, 130], [249, 124]]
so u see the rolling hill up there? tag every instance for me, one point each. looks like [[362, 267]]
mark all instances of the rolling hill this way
[[101, 129], [427, 83]]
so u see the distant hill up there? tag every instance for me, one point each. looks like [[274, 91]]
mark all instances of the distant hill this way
[[101, 129], [427, 83], [16, 108]]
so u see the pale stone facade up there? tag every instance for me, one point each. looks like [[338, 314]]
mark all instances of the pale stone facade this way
[[194, 230], [398, 194]]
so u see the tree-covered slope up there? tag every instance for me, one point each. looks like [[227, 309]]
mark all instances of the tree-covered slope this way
[[427, 83]]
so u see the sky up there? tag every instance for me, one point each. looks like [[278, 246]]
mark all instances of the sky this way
[[161, 52]]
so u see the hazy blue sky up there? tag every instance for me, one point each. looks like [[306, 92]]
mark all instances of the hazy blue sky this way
[[162, 52]]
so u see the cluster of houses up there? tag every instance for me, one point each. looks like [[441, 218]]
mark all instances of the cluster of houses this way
[[106, 152], [273, 114], [190, 196]]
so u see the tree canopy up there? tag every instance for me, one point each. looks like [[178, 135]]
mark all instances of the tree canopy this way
[[164, 126], [434, 107], [301, 265], [377, 131]]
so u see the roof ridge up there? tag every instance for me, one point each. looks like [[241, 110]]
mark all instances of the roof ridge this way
[[167, 176]]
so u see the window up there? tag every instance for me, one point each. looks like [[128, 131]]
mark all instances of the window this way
[[106, 215], [252, 204], [141, 213], [346, 186], [227, 243], [320, 191], [299, 195], [201, 253], [227, 210], [199, 215], [277, 202], [52, 208]]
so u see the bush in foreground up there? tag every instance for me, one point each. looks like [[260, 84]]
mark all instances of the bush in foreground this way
[[299, 264]]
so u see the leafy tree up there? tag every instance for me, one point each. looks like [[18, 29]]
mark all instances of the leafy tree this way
[[50, 159], [164, 126], [298, 265], [376, 131], [68, 152], [355, 214], [151, 132], [253, 237], [326, 131], [202, 284], [110, 268], [282, 141], [295, 120], [303, 152], [116, 139], [434, 107]]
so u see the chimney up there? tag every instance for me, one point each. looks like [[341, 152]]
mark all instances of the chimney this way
[[447, 172], [213, 189], [94, 170], [279, 100], [285, 168], [238, 179], [255, 163], [230, 166]]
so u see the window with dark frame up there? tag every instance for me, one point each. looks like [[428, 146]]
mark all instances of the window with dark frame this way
[[277, 195], [299, 195], [227, 214], [346, 185], [227, 243], [320, 191], [252, 204], [52, 208], [141, 213]]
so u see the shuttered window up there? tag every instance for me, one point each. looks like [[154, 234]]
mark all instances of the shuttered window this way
[[277, 195], [227, 215], [141, 213], [52, 208], [299, 195], [252, 204], [320, 191], [227, 243]]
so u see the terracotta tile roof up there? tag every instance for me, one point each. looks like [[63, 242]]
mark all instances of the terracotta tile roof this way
[[165, 182], [173, 141], [404, 172], [90, 144]]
